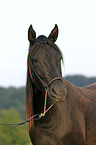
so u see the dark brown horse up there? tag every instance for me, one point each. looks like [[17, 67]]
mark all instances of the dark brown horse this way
[[71, 110]]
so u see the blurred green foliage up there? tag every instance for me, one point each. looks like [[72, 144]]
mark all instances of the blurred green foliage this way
[[12, 110], [12, 136], [13, 98]]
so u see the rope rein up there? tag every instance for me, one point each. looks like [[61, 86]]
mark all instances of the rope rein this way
[[45, 110]]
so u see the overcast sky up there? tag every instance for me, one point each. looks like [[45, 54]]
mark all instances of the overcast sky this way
[[76, 20]]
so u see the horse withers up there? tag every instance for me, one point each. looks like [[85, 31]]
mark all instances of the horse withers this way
[[67, 113]]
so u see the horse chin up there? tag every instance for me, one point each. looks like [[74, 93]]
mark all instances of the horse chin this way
[[57, 100]]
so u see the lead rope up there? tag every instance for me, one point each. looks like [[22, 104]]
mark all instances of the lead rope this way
[[45, 111], [34, 116]]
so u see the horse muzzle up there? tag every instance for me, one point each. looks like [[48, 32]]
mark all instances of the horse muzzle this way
[[57, 90]]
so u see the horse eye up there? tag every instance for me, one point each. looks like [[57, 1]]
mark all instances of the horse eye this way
[[34, 60]]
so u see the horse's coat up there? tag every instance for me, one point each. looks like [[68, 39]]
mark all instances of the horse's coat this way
[[70, 122]]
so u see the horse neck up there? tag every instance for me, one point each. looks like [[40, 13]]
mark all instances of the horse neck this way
[[38, 100]]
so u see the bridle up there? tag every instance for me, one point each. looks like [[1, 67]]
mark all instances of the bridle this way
[[33, 73], [45, 86]]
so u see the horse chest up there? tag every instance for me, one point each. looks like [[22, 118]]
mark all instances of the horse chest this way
[[48, 135]]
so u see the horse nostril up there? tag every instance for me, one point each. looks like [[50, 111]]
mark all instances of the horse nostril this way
[[53, 91]]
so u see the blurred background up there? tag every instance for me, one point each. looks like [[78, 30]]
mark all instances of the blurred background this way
[[77, 40]]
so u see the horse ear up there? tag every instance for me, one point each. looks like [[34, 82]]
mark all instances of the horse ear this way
[[54, 34], [31, 35]]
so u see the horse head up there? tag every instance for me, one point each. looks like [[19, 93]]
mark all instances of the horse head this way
[[45, 64]]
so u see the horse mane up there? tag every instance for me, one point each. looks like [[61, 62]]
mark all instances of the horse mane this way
[[29, 95]]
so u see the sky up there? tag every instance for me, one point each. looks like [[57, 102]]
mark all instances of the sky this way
[[76, 20]]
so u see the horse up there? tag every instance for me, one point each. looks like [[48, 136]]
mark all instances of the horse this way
[[67, 113]]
